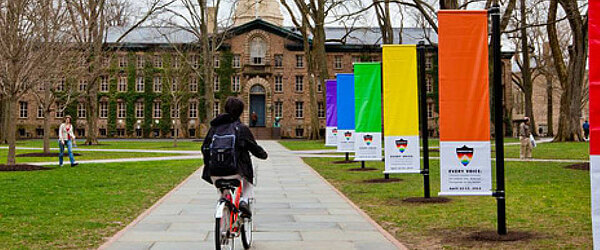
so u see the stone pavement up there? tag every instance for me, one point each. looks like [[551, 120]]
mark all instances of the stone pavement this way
[[295, 209]]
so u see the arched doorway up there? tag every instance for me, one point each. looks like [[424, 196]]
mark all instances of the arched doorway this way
[[257, 106]]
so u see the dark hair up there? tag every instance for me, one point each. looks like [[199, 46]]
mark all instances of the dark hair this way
[[234, 106]]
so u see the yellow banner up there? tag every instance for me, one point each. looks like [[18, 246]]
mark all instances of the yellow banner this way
[[400, 91]]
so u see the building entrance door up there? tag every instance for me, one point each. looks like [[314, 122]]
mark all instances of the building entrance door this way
[[257, 105]]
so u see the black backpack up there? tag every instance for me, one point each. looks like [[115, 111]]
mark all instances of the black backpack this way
[[222, 153]]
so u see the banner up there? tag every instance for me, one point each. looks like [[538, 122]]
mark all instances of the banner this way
[[594, 104], [345, 112], [367, 96], [331, 122], [401, 109], [464, 106]]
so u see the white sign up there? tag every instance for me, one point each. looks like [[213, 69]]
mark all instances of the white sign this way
[[465, 168], [368, 146], [345, 141], [595, 182], [402, 154], [331, 136]]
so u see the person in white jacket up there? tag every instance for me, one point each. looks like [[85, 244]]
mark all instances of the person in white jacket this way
[[66, 137]]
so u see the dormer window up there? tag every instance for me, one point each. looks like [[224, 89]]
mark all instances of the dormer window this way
[[258, 50]]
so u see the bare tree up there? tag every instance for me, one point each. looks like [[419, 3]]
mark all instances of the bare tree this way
[[572, 74], [28, 32]]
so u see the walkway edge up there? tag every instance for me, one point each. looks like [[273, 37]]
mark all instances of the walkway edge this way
[[140, 217], [385, 233]]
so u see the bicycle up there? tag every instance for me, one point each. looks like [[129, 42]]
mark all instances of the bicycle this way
[[229, 223]]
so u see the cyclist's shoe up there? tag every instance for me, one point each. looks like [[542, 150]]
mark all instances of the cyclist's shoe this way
[[245, 208]]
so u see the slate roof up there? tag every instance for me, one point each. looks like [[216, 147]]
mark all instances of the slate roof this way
[[358, 36]]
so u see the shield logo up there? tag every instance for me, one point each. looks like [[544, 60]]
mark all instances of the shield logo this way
[[368, 139], [334, 131], [401, 145], [464, 154], [347, 135]]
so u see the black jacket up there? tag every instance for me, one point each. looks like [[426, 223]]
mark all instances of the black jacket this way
[[244, 145]]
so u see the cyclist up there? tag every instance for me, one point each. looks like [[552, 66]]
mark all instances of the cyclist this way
[[244, 144]]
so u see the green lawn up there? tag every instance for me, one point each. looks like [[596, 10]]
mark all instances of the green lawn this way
[[85, 155], [122, 144], [78, 208], [545, 199]]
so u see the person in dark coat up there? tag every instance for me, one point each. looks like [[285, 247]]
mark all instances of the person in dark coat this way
[[245, 144]]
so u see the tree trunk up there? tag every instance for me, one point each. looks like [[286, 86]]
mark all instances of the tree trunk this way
[[11, 130], [46, 131], [526, 69], [448, 4], [207, 61], [92, 115], [549, 112], [3, 115]]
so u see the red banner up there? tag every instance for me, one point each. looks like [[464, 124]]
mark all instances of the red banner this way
[[594, 71]]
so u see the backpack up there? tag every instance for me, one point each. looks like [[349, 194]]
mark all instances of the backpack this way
[[222, 152]]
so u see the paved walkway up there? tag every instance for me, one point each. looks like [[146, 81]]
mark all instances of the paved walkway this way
[[295, 209]]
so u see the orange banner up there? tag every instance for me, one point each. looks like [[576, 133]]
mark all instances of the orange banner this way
[[463, 76]]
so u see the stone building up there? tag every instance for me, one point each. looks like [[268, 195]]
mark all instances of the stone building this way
[[150, 88]]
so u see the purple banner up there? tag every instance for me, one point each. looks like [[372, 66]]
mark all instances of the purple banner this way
[[331, 89]]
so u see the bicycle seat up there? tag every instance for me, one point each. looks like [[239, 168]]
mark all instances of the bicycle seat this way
[[227, 184]]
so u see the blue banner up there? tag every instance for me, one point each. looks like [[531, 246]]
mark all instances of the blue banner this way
[[345, 113]]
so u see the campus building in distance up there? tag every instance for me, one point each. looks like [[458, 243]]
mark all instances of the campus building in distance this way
[[261, 61]]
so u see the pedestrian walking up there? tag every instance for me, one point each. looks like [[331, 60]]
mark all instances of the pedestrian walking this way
[[253, 119], [525, 137], [66, 138], [586, 130]]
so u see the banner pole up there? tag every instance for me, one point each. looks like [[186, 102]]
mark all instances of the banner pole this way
[[347, 157], [498, 119], [362, 164], [423, 112]]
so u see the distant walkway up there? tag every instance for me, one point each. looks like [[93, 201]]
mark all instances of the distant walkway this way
[[437, 158], [119, 150], [295, 209]]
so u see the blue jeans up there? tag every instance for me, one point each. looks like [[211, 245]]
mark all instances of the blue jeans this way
[[69, 145]]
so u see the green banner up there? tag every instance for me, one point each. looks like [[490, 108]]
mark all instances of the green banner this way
[[367, 96]]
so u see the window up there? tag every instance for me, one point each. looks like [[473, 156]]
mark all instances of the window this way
[[193, 84], [139, 84], [158, 63], [121, 110], [299, 61], [157, 110], [40, 112], [235, 83], [429, 83], [217, 61], [279, 61], [82, 85], [279, 109], [430, 107], [321, 110], [174, 85], [258, 50], [175, 111], [337, 62], [355, 59], [319, 87], [216, 108], [299, 109], [59, 110], [236, 61], [102, 131], [157, 84], [192, 132], [428, 63], [103, 109], [122, 62], [122, 86], [61, 84], [42, 86], [193, 109], [299, 83], [194, 60], [216, 84], [22, 109], [120, 132], [39, 132], [139, 110], [176, 61], [138, 132], [140, 61], [81, 110], [104, 84], [279, 83]]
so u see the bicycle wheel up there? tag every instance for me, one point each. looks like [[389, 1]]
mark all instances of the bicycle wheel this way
[[222, 241], [246, 232]]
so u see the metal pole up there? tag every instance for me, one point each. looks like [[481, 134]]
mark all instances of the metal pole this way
[[423, 113], [347, 157], [362, 164], [498, 119]]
